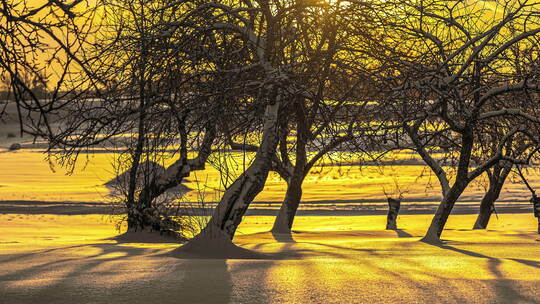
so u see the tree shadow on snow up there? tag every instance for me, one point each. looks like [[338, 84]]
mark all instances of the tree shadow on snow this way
[[111, 273], [507, 291]]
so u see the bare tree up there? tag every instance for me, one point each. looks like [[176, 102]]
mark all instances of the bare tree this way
[[452, 75], [168, 77], [270, 30], [40, 47], [321, 115], [144, 100]]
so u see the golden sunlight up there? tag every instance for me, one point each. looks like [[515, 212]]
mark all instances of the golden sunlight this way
[[269, 151]]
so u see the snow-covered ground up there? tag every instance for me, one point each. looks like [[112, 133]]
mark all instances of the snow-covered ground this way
[[26, 176], [329, 259]]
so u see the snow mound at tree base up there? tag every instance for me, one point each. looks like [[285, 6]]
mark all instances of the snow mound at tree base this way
[[431, 239], [216, 246]]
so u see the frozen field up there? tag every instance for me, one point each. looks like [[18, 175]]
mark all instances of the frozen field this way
[[329, 259]]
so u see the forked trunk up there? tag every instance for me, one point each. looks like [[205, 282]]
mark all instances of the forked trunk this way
[[433, 235], [172, 176], [285, 217], [175, 173], [287, 211], [486, 209], [487, 206], [443, 212]]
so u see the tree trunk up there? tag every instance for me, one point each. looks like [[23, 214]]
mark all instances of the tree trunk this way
[[536, 209], [285, 217], [175, 173], [146, 217], [287, 211], [443, 212], [496, 182], [135, 219], [393, 211], [237, 198], [134, 214], [450, 197], [486, 209]]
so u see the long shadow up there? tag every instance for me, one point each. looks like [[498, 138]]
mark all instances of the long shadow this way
[[286, 252], [283, 237], [194, 280], [463, 251], [204, 281], [250, 280], [146, 237], [105, 249], [107, 276], [403, 234], [344, 247], [534, 264], [15, 257], [479, 255], [89, 262], [505, 288]]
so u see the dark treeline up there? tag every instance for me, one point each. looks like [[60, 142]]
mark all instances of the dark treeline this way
[[294, 83]]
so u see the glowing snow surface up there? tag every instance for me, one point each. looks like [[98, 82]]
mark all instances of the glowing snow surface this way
[[24, 175], [337, 259]]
